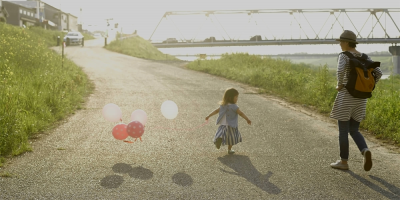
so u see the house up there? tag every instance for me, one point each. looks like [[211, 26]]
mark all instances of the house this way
[[52, 17], [3, 13], [36, 12], [72, 22], [20, 13]]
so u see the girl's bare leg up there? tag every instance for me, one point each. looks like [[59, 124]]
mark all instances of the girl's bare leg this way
[[230, 147]]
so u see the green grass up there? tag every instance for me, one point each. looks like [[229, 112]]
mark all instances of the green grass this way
[[305, 84], [138, 47], [331, 62], [88, 36], [35, 90], [2, 161], [6, 174], [49, 37]]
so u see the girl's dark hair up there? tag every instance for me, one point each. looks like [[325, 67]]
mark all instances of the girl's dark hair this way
[[229, 95], [352, 45]]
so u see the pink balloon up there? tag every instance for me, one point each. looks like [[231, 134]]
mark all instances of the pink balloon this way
[[139, 115], [135, 129], [119, 132], [112, 112]]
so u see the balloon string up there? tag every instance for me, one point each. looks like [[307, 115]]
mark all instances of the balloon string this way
[[179, 129]]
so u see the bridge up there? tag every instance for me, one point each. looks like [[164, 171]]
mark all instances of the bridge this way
[[282, 27], [304, 25]]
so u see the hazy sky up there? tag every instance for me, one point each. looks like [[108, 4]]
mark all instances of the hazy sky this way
[[145, 15]]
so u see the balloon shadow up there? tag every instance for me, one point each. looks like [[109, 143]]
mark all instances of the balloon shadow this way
[[112, 181], [395, 190], [182, 179], [140, 173], [121, 168], [244, 168]]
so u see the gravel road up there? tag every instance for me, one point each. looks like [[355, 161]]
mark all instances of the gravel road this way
[[285, 153]]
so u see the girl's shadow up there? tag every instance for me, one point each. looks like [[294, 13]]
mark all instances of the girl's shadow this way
[[244, 168]]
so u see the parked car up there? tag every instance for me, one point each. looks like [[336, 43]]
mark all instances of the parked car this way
[[210, 39], [256, 38], [170, 40], [74, 38]]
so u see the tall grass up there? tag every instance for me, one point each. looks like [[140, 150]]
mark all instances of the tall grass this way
[[49, 37], [35, 90], [304, 84], [138, 47]]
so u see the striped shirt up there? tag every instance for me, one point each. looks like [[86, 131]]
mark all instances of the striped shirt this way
[[345, 105]]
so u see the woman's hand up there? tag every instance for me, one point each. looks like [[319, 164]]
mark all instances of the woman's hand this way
[[339, 87]]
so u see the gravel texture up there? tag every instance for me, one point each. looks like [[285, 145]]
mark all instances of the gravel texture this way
[[285, 153]]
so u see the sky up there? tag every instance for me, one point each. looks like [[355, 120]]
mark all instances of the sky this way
[[144, 15]]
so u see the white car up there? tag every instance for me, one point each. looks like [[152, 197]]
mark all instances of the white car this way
[[74, 38]]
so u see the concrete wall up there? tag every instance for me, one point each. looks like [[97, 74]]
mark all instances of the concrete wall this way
[[13, 13], [64, 22], [396, 64], [72, 23], [52, 14], [395, 51]]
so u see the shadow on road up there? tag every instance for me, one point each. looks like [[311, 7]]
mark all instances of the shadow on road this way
[[112, 181], [244, 168], [395, 190], [182, 179], [140, 173]]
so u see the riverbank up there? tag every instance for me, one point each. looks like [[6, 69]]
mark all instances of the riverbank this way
[[303, 84]]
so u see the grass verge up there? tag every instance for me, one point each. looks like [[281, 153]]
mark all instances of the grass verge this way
[[138, 47], [35, 90], [304, 84]]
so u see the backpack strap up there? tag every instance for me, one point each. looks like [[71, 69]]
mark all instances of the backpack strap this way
[[348, 54], [355, 61], [364, 56]]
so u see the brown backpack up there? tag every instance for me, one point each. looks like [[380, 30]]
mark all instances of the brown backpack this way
[[361, 81]]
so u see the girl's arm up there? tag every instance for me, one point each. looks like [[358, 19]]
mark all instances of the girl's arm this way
[[239, 112], [213, 113]]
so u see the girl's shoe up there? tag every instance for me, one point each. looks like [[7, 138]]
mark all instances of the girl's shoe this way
[[218, 143], [231, 151], [367, 160], [340, 165]]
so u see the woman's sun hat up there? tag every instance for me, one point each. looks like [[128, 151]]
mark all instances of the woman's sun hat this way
[[348, 36]]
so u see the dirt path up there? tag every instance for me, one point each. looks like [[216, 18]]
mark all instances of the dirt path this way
[[285, 154]]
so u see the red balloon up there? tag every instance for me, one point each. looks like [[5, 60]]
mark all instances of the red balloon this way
[[119, 132], [135, 129]]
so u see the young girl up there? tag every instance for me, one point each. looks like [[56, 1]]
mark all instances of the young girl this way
[[228, 132]]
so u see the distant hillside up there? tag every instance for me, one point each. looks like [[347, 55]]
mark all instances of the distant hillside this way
[[138, 47]]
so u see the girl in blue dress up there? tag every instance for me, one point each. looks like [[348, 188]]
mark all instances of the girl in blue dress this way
[[228, 133]]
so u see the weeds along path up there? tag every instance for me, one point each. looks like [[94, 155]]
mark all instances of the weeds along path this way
[[284, 155]]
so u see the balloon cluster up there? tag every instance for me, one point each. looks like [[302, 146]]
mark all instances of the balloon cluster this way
[[135, 128]]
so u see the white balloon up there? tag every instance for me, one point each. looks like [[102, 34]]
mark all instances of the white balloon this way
[[112, 112], [169, 109], [139, 115]]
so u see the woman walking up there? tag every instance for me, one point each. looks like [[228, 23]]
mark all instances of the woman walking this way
[[348, 110]]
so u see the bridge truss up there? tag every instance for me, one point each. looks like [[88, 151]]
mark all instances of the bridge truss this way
[[306, 26]]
